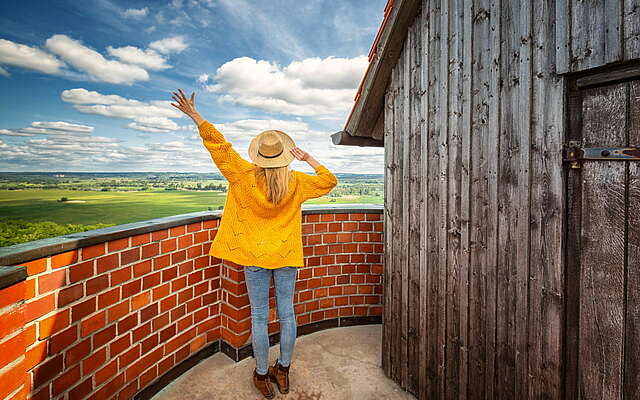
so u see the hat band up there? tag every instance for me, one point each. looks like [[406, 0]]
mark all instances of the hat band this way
[[273, 156]]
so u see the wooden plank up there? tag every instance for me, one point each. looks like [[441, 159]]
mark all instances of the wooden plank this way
[[632, 320], [423, 336], [602, 254], [454, 178], [493, 164], [393, 246], [521, 166], [442, 128], [631, 34], [479, 198], [366, 111], [405, 76], [563, 36], [412, 184], [612, 42], [587, 34], [573, 245], [434, 200], [546, 300], [629, 71], [387, 338], [467, 10]]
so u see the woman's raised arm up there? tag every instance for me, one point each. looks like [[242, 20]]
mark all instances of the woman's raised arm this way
[[227, 159]]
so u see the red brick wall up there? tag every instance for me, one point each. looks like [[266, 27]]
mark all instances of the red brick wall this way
[[104, 321]]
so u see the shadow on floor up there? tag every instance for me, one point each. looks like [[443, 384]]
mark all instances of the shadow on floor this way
[[339, 363]]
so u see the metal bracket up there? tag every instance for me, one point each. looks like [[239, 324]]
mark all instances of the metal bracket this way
[[574, 153]]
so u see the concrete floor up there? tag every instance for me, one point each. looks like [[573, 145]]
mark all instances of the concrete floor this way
[[339, 363]]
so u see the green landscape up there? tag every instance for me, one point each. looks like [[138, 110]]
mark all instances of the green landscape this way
[[39, 205]]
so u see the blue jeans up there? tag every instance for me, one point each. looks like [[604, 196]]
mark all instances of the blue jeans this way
[[258, 281]]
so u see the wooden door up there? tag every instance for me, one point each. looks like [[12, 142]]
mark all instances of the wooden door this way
[[603, 244]]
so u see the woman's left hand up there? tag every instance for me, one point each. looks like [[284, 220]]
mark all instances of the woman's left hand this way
[[185, 105]]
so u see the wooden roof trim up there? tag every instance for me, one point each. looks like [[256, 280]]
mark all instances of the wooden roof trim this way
[[369, 101]]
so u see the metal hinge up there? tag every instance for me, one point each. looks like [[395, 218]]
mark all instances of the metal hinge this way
[[574, 153]]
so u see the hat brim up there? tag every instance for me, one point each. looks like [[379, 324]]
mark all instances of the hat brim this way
[[284, 159]]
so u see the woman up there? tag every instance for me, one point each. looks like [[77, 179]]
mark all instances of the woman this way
[[261, 229]]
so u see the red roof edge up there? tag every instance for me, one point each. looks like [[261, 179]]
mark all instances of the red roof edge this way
[[372, 53]]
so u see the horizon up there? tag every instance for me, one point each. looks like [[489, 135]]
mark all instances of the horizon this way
[[87, 89]]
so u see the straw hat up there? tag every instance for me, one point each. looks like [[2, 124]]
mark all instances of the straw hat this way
[[271, 149]]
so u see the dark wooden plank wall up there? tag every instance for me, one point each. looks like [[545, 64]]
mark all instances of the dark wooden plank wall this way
[[593, 33], [474, 204]]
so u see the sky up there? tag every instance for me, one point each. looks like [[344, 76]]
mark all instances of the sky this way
[[85, 86]]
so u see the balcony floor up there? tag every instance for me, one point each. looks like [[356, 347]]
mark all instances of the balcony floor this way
[[339, 363]]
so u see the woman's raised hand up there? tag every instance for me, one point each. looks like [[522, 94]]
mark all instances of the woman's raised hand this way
[[185, 105], [300, 154]]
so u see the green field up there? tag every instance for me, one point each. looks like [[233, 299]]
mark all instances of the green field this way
[[36, 205]]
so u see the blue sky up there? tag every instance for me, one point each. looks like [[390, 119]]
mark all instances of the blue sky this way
[[86, 86]]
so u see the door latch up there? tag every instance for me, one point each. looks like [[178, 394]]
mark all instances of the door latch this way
[[574, 153]]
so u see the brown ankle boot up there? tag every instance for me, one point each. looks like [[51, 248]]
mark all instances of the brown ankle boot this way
[[263, 384], [280, 375]]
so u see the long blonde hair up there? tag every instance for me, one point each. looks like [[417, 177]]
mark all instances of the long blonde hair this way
[[277, 181]]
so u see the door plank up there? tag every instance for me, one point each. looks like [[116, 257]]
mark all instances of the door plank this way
[[602, 254]]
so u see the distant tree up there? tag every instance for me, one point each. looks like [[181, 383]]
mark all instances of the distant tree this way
[[63, 199]]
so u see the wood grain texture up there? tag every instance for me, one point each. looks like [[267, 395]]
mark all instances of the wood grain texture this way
[[632, 321], [602, 258]]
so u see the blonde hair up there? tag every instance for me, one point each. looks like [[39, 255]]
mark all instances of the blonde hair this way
[[277, 181]]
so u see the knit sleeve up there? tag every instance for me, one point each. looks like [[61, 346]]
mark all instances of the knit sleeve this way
[[317, 185], [227, 159]]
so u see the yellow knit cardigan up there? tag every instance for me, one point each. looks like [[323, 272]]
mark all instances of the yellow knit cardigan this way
[[252, 230]]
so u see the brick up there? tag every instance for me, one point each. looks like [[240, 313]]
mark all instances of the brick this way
[[129, 256], [131, 288], [332, 313], [185, 241], [365, 226], [326, 303], [53, 324], [12, 349], [329, 238], [35, 355], [141, 332], [52, 281], [140, 239], [346, 311], [129, 357], [104, 336], [36, 266], [178, 256], [159, 235], [79, 311], [312, 218], [81, 271], [92, 324], [342, 300], [126, 324], [150, 250], [341, 217], [29, 288], [77, 353], [107, 263], [107, 372], [82, 390], [356, 217], [200, 237], [140, 300], [64, 381], [109, 388], [177, 231], [119, 345], [120, 276], [93, 251], [194, 226], [141, 268], [97, 284], [118, 244], [46, 371], [161, 262], [148, 312], [161, 291], [169, 274], [149, 343], [327, 217], [64, 259], [11, 379], [118, 311], [335, 227], [94, 361], [11, 320], [152, 280], [37, 308], [168, 245], [108, 298]]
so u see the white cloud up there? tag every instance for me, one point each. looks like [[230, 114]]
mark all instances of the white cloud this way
[[203, 78], [175, 44], [136, 12], [150, 116], [93, 63], [19, 55], [63, 126], [328, 87], [55, 128], [4, 72], [148, 59]]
